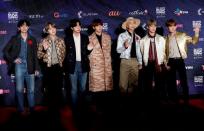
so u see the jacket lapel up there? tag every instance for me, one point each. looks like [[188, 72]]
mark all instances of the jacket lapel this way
[[18, 44], [148, 44], [157, 42], [72, 44], [167, 47]]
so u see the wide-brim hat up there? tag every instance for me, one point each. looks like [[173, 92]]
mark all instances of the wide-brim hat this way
[[136, 22]]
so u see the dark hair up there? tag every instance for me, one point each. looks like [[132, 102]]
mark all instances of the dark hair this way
[[73, 23], [22, 22], [47, 26], [96, 22], [170, 22]]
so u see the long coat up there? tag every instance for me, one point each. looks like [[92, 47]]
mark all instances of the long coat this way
[[100, 76]]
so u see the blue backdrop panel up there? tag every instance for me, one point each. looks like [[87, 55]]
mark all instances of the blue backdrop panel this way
[[187, 13]]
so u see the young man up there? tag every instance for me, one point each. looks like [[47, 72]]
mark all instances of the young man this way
[[153, 54], [51, 51], [176, 51], [100, 76], [131, 60], [76, 60], [21, 54]]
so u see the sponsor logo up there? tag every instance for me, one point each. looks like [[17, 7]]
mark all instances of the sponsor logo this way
[[35, 16], [144, 25], [12, 79], [3, 32], [60, 30], [12, 17], [2, 62], [189, 67], [160, 12], [197, 53], [82, 14], [196, 24], [58, 15], [200, 11], [3, 91], [84, 29], [138, 12], [201, 39], [114, 13], [180, 12], [105, 26], [179, 25], [198, 80]]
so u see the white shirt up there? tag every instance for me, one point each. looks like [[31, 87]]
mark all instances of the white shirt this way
[[173, 48], [77, 41]]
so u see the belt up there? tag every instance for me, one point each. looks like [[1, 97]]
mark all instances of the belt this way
[[56, 64], [176, 58]]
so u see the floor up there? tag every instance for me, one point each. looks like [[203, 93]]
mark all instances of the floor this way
[[130, 116]]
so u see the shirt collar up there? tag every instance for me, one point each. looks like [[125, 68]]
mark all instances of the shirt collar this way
[[151, 36]]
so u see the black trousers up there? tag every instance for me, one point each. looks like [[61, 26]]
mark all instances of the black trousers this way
[[53, 83], [177, 66], [152, 73], [103, 100]]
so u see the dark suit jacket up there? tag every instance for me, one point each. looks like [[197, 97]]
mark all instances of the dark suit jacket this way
[[12, 50], [70, 59]]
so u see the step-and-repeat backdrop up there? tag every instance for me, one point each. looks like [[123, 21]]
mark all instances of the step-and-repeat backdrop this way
[[187, 13]]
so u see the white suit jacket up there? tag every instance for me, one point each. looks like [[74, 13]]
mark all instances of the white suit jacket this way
[[160, 49]]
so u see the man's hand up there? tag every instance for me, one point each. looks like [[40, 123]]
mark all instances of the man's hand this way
[[196, 30], [126, 44], [168, 67], [90, 46], [37, 73], [139, 66], [45, 45], [18, 61]]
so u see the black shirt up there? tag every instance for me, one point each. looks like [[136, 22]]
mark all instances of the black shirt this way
[[99, 37], [133, 48]]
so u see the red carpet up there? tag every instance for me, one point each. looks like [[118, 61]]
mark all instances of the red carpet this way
[[117, 119]]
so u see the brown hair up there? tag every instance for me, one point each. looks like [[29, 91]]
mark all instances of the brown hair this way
[[170, 22], [151, 22], [48, 24]]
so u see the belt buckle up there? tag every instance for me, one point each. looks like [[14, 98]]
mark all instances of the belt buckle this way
[[177, 57]]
